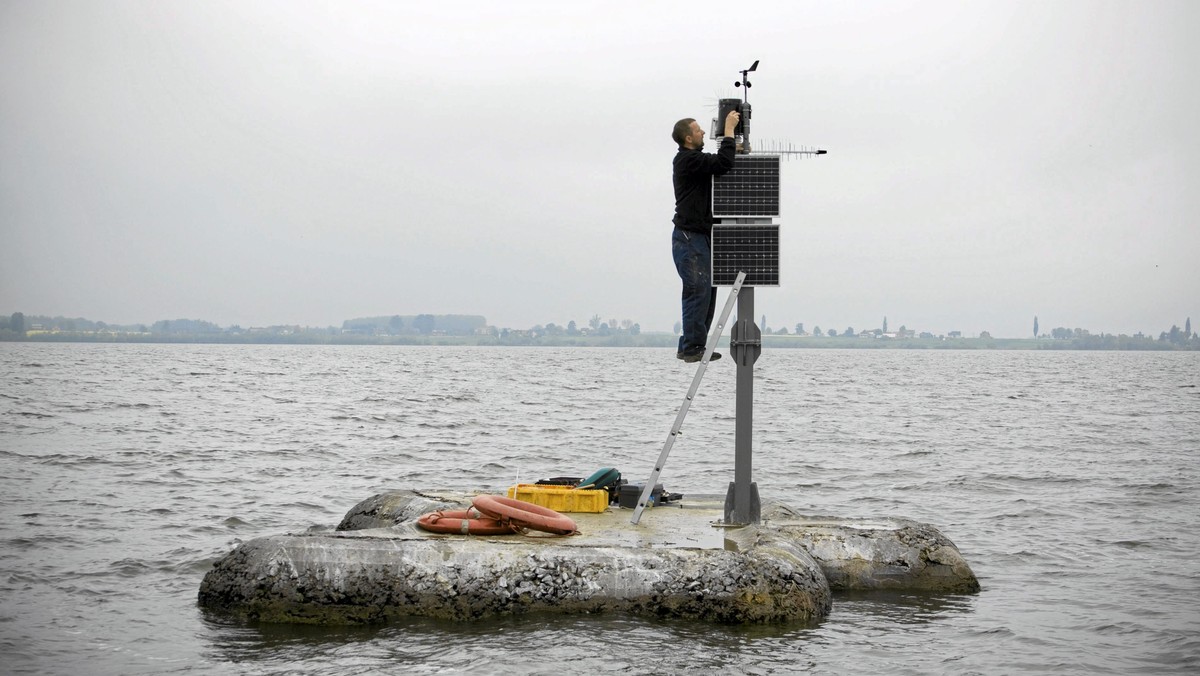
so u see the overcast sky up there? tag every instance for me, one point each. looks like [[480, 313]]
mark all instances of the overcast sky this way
[[262, 163]]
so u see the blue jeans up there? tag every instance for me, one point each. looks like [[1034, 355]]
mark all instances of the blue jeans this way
[[694, 263]]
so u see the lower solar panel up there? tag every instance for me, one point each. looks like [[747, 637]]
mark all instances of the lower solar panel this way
[[753, 249]]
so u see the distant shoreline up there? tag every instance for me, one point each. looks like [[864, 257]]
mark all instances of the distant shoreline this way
[[646, 340]]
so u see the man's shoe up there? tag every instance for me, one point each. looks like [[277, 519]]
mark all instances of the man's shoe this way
[[695, 356]]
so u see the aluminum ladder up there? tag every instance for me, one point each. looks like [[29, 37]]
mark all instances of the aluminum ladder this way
[[644, 498]]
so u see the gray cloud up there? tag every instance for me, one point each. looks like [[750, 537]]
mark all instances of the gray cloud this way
[[262, 162]]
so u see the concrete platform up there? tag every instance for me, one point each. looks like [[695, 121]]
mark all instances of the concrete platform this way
[[680, 561]]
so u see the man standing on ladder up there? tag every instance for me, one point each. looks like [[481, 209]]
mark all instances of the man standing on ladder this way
[[692, 176]]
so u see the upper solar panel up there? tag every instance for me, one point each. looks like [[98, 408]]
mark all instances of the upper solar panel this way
[[750, 189]]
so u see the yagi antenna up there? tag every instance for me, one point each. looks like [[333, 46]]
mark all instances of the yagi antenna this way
[[788, 149], [745, 83]]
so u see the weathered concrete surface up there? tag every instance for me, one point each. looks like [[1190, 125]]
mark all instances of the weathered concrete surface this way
[[854, 554], [678, 562], [890, 553], [681, 566], [395, 507], [375, 575]]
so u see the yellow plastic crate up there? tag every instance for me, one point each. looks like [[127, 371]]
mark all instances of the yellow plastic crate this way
[[561, 498]]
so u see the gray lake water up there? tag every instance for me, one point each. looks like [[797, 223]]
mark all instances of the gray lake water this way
[[1069, 481]]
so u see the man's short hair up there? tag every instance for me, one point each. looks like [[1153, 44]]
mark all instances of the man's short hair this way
[[683, 129]]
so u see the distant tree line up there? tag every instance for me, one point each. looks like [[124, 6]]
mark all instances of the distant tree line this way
[[182, 326], [474, 329], [1082, 339], [423, 324], [20, 323]]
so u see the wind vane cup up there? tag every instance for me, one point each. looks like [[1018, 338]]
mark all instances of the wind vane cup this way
[[745, 254]]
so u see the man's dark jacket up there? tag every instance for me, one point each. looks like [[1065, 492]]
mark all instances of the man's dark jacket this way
[[693, 172]]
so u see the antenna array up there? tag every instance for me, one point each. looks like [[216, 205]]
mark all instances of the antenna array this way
[[786, 149]]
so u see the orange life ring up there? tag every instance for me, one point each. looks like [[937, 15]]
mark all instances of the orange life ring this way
[[465, 522], [524, 514]]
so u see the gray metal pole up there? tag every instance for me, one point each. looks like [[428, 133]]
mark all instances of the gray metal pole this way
[[742, 505]]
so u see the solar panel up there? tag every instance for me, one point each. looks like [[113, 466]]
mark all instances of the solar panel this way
[[753, 249], [750, 189]]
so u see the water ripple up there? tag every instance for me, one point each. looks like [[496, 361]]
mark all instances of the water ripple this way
[[1068, 480]]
